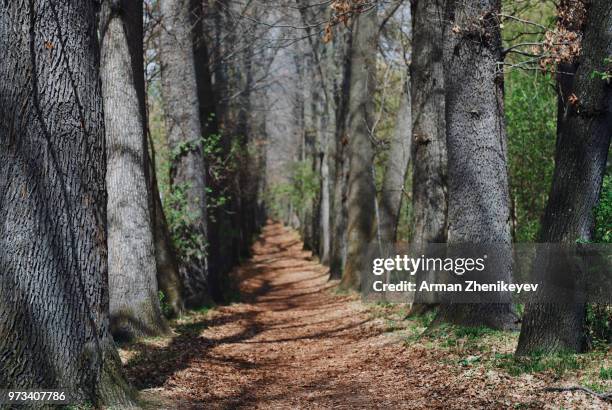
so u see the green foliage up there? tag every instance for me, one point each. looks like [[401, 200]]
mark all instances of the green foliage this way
[[466, 336], [165, 307], [599, 317], [181, 220], [538, 362], [306, 182], [425, 320], [605, 373], [603, 213], [605, 75], [531, 110], [222, 168], [599, 324], [301, 189]]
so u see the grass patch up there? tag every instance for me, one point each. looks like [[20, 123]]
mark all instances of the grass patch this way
[[425, 320], [596, 386], [605, 373], [537, 362], [463, 337]]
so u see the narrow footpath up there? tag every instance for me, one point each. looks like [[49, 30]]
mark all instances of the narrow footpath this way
[[294, 343]]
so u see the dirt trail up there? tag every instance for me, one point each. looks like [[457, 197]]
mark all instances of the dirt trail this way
[[293, 343]]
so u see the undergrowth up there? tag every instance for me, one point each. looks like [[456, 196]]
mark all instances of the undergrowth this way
[[469, 348]]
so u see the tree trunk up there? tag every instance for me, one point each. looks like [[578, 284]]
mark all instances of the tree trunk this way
[[478, 209], [337, 257], [324, 211], [395, 170], [54, 317], [361, 190], [429, 130], [429, 176], [583, 141], [323, 76], [243, 134], [218, 263], [222, 19], [188, 171], [134, 303], [327, 120]]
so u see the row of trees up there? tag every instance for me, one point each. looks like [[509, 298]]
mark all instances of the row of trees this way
[[450, 138], [90, 254], [100, 99]]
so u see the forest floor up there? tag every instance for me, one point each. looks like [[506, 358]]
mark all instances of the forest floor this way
[[294, 342]]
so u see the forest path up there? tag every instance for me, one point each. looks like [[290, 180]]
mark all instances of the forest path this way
[[292, 343]]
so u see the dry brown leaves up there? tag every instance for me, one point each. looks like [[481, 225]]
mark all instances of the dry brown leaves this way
[[563, 44], [294, 344], [342, 12]]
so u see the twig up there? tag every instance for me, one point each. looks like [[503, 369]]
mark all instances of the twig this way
[[507, 16], [603, 396]]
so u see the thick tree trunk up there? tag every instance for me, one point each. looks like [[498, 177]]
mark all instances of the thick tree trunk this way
[[327, 120], [188, 172], [361, 190], [478, 210], [429, 130], [134, 303], [395, 170], [221, 219], [54, 317], [206, 94], [218, 260], [583, 141], [337, 257], [222, 19], [429, 176]]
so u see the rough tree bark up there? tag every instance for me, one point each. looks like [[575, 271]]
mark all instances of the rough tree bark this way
[[429, 175], [395, 170], [54, 321], [134, 303], [478, 209], [218, 260], [361, 190], [221, 219], [583, 142], [337, 256], [182, 112]]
